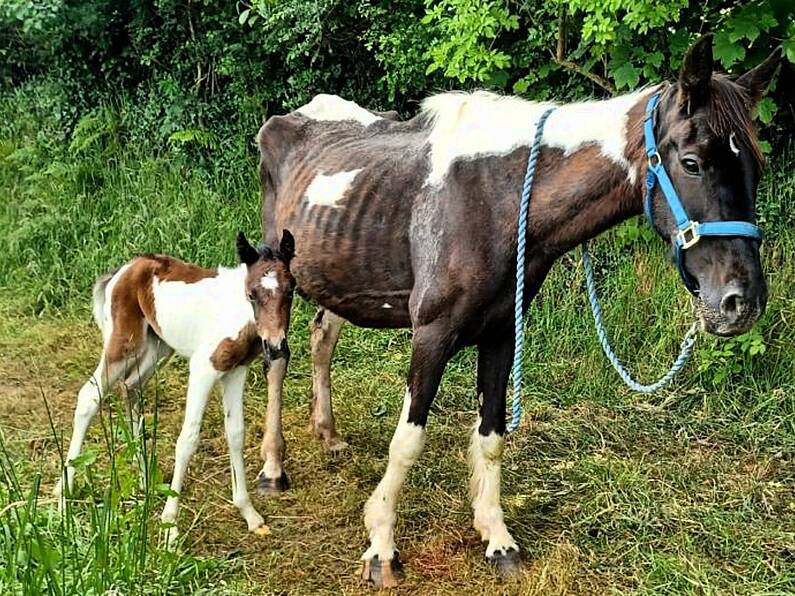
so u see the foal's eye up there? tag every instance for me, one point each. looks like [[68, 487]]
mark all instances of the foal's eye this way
[[691, 166], [250, 297]]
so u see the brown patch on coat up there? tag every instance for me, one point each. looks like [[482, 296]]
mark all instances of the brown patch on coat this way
[[233, 352], [133, 303]]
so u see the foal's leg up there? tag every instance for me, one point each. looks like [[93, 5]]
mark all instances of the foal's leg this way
[[106, 375], [324, 332], [430, 352], [485, 452], [232, 384], [272, 478], [139, 373], [201, 380]]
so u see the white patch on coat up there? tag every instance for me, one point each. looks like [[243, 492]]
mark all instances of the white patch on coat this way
[[467, 125], [386, 305], [334, 108], [197, 316], [379, 511], [733, 145], [330, 189], [485, 457], [269, 281]]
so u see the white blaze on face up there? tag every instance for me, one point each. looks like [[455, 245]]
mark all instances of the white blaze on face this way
[[482, 123], [334, 108], [269, 281], [329, 189]]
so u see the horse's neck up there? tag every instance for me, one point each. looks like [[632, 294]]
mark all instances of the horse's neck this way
[[598, 185]]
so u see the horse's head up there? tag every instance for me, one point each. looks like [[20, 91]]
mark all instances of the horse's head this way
[[269, 289], [708, 147]]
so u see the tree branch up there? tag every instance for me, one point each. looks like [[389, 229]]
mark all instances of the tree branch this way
[[601, 81]]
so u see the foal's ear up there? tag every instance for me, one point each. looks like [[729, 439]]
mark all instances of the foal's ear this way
[[287, 246], [247, 253], [757, 80], [696, 73]]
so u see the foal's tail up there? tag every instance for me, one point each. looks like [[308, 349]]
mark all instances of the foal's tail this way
[[98, 308]]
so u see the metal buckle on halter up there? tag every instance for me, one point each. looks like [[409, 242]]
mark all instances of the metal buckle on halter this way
[[652, 157], [688, 236]]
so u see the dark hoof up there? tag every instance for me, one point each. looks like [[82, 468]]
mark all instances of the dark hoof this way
[[383, 575], [272, 486], [508, 563]]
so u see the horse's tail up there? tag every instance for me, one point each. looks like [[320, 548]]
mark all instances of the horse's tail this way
[[98, 308]]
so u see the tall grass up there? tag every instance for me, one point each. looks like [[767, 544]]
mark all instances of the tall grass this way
[[106, 538]]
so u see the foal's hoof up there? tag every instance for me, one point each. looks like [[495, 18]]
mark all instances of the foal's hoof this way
[[272, 486], [335, 445], [387, 574], [508, 563]]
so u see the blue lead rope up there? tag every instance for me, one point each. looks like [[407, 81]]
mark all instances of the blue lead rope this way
[[521, 242]]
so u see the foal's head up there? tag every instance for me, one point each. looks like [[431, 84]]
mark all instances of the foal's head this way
[[709, 148], [269, 289]]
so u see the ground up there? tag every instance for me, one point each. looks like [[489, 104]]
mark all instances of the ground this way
[[602, 498]]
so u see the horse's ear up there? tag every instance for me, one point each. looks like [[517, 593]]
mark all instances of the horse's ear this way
[[696, 73], [247, 253], [287, 246], [757, 80]]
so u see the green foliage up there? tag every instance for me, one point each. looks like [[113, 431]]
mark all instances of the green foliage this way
[[722, 359], [463, 46]]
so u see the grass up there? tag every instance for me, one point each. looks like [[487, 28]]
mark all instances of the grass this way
[[606, 491]]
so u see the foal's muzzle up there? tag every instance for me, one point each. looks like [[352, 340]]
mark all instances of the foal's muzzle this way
[[272, 352]]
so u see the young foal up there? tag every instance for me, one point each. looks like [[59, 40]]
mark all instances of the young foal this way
[[219, 319]]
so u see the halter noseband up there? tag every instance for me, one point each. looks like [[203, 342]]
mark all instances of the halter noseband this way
[[689, 232]]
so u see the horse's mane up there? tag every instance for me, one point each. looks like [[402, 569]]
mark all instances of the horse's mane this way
[[729, 111]]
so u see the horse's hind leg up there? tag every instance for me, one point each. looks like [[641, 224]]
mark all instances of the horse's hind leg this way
[[325, 331], [107, 374]]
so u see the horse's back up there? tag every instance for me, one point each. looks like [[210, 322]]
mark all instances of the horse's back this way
[[344, 181]]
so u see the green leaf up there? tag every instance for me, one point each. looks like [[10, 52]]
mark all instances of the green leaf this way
[[626, 75], [84, 460], [243, 16], [766, 110], [165, 489], [726, 51]]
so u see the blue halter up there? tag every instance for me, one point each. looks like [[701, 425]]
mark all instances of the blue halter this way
[[689, 231]]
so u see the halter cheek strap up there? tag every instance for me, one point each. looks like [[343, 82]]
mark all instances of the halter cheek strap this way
[[689, 232]]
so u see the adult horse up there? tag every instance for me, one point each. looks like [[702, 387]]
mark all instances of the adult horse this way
[[413, 224]]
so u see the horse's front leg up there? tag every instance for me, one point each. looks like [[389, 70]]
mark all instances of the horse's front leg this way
[[485, 451], [430, 352], [324, 333]]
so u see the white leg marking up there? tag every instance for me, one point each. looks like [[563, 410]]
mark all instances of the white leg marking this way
[[201, 380], [330, 189], [485, 455], [323, 339], [232, 385], [379, 512], [88, 401], [272, 449]]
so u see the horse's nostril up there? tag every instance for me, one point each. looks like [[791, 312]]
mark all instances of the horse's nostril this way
[[732, 304]]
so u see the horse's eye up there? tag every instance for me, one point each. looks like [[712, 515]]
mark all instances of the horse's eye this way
[[250, 297], [691, 166]]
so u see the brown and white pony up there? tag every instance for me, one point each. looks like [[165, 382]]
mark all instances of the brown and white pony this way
[[413, 224], [219, 319]]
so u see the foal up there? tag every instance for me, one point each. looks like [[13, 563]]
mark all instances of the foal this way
[[219, 319]]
